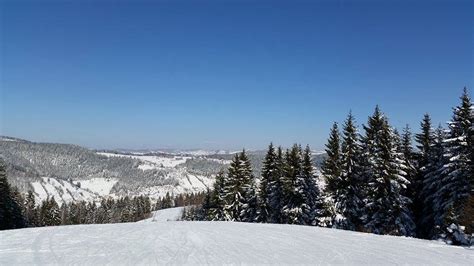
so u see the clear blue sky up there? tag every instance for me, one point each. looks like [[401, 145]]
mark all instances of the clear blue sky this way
[[196, 74]]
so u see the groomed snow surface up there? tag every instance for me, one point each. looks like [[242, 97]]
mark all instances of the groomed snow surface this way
[[192, 243], [166, 215]]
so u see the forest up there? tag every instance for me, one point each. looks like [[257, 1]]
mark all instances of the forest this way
[[375, 181]]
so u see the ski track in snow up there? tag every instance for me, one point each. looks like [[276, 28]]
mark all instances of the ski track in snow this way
[[218, 243]]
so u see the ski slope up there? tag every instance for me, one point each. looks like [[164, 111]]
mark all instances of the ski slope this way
[[218, 243], [166, 215]]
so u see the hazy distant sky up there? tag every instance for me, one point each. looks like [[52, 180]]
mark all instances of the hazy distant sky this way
[[195, 74]]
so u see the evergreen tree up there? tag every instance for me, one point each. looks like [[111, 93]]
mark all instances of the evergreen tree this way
[[217, 198], [332, 165], [455, 190], [269, 171], [11, 216], [49, 213], [425, 140], [432, 184], [31, 213], [386, 210], [206, 207], [293, 188], [249, 212], [237, 189], [275, 190], [426, 158], [19, 209], [347, 197], [314, 209], [415, 184]]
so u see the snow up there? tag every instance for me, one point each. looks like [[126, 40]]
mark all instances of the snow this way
[[218, 243], [152, 162], [7, 139], [187, 183], [63, 191], [98, 185], [165, 215]]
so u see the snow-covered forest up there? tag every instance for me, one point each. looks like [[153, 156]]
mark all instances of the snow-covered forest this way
[[374, 179]]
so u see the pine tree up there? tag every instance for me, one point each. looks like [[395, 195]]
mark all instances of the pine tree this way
[[31, 213], [347, 197], [386, 210], [237, 189], [314, 209], [269, 171], [332, 165], [455, 189], [49, 213], [426, 158], [415, 184], [11, 216], [425, 140], [249, 212], [217, 198], [276, 197], [293, 188]]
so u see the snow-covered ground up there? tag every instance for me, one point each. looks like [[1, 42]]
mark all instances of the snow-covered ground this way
[[98, 185], [165, 215], [218, 243], [63, 191], [152, 162]]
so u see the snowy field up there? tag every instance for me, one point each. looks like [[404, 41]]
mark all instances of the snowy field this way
[[152, 162], [150, 243]]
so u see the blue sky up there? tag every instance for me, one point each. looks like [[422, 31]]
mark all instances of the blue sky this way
[[195, 74]]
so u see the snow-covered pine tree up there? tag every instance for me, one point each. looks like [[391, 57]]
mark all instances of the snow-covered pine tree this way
[[425, 141], [233, 191], [293, 187], [237, 189], [11, 216], [386, 208], [217, 198], [347, 198], [49, 213], [314, 212], [276, 197], [268, 176], [249, 212], [331, 168], [414, 186], [31, 212], [206, 208], [455, 191]]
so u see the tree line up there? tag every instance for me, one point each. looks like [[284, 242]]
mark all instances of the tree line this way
[[21, 211], [372, 181]]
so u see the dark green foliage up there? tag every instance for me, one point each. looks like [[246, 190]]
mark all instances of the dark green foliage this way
[[332, 165], [276, 196], [386, 209], [11, 213], [239, 191], [456, 176], [270, 174], [347, 192]]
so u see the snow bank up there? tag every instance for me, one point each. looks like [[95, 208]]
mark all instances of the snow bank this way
[[217, 243]]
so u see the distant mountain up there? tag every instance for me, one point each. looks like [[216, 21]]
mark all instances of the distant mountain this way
[[70, 172]]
